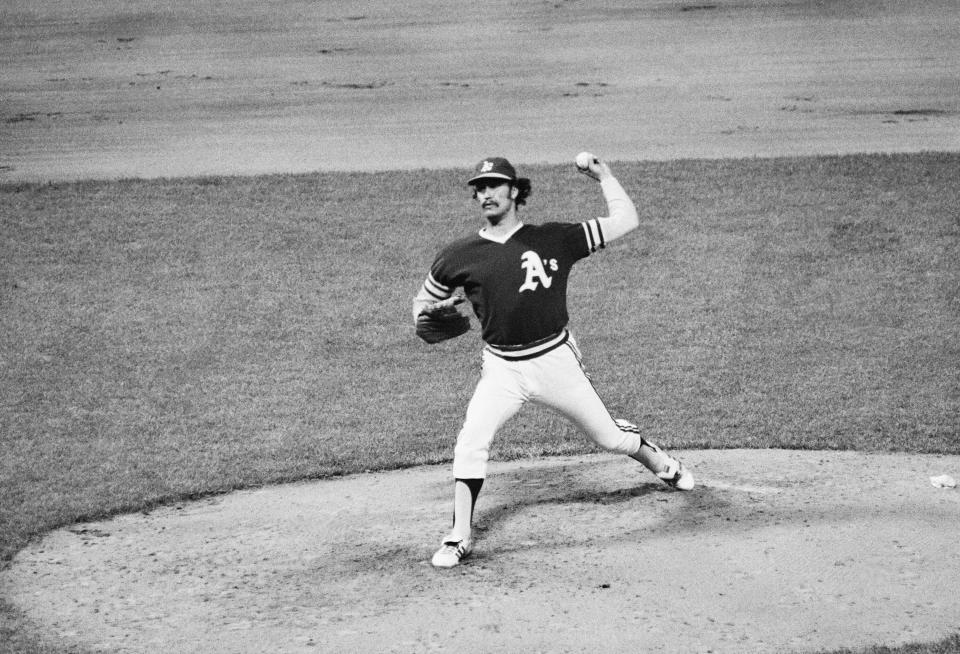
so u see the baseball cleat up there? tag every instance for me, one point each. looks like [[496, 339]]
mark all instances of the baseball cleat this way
[[677, 476], [451, 552]]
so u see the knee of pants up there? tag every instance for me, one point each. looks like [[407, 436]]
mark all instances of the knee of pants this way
[[472, 450], [618, 442], [619, 436]]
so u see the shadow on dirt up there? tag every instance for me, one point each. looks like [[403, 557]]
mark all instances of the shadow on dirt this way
[[550, 503]]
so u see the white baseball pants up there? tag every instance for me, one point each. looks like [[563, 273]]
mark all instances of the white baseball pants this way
[[556, 380]]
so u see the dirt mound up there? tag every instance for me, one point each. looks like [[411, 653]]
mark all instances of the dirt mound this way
[[584, 553]]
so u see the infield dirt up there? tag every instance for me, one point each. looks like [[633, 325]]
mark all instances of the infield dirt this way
[[773, 551], [164, 89]]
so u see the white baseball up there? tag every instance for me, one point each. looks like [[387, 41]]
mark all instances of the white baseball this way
[[583, 160]]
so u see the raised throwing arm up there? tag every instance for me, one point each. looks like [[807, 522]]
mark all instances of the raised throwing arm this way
[[622, 215]]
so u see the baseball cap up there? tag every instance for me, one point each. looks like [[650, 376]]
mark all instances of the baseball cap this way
[[496, 167]]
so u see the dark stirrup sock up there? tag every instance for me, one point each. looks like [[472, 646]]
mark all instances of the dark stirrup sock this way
[[474, 485]]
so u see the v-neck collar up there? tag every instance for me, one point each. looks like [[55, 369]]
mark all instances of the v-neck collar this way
[[500, 239]]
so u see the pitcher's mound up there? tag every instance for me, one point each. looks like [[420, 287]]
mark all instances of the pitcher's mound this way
[[774, 550]]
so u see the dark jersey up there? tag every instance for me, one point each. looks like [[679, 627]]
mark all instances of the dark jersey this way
[[518, 287]]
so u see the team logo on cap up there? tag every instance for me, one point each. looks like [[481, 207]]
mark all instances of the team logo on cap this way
[[494, 167]]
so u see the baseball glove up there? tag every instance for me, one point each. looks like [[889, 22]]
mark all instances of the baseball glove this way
[[441, 321]]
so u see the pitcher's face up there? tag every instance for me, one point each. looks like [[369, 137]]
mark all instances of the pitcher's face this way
[[495, 197]]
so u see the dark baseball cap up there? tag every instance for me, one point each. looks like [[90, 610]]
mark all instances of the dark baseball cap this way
[[495, 167]]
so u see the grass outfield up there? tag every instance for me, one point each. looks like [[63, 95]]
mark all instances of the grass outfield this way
[[175, 338]]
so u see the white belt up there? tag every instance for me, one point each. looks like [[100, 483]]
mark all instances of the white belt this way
[[531, 350]]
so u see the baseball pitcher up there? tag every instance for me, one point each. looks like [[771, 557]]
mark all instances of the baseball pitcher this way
[[514, 276]]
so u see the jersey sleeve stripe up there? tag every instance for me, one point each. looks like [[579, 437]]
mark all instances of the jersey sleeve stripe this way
[[594, 234], [589, 235], [436, 289]]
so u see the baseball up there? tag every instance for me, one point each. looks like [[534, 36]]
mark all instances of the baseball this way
[[583, 160]]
